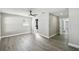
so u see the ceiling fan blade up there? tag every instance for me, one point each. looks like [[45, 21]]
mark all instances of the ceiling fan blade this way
[[34, 14]]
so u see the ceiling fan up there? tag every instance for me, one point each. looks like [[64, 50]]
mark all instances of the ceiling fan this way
[[30, 12]]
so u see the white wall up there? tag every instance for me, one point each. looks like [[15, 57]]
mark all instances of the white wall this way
[[43, 24], [0, 24], [74, 27], [53, 25], [14, 24]]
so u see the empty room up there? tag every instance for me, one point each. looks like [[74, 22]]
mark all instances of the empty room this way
[[39, 29]]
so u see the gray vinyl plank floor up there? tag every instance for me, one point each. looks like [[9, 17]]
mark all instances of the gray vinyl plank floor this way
[[35, 42]]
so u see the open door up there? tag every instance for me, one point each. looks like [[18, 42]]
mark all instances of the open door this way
[[66, 29]]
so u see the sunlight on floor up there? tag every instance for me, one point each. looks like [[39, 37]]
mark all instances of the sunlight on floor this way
[[37, 35]]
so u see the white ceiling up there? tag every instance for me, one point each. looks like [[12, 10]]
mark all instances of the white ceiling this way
[[61, 12], [17, 11]]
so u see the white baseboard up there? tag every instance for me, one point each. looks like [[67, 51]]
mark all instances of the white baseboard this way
[[47, 36], [52, 35], [15, 34], [43, 35], [73, 45]]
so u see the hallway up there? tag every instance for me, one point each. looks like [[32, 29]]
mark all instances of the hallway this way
[[34, 42]]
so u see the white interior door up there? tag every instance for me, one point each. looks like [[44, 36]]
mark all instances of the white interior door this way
[[66, 26], [66, 29]]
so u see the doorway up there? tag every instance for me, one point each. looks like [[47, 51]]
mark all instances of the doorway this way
[[66, 29]]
